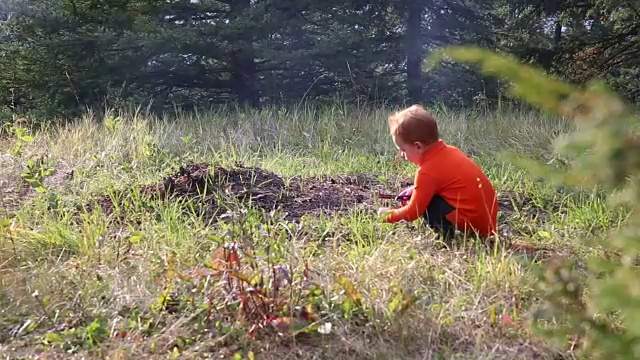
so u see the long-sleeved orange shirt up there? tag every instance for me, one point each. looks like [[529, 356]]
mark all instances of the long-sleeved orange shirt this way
[[447, 171]]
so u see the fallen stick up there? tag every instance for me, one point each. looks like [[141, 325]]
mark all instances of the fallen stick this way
[[394, 197]]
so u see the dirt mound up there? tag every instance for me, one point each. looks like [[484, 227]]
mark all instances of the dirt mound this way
[[200, 180], [330, 194], [219, 188]]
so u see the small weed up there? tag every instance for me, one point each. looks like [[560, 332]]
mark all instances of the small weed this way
[[36, 171], [22, 139]]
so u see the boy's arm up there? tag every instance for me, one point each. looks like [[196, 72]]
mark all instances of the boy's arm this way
[[423, 191]]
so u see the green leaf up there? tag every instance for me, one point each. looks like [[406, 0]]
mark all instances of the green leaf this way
[[26, 138], [51, 338]]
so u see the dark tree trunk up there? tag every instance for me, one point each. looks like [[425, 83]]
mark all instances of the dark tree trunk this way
[[242, 63], [557, 36], [413, 49], [243, 78]]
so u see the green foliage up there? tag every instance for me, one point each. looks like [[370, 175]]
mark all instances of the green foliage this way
[[143, 267], [36, 171], [22, 139], [193, 54], [574, 39], [90, 336], [598, 308]]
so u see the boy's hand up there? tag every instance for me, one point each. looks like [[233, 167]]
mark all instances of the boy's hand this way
[[405, 195], [384, 210]]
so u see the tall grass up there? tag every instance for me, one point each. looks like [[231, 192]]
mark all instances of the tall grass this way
[[86, 284]]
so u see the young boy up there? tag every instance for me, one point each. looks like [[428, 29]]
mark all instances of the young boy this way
[[450, 191]]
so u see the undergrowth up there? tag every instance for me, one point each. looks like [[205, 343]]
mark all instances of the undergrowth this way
[[162, 277]]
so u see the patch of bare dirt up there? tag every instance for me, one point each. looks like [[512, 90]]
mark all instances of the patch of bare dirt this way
[[60, 178], [332, 194], [218, 187], [13, 190], [12, 195]]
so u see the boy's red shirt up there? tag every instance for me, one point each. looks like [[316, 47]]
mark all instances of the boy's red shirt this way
[[447, 171]]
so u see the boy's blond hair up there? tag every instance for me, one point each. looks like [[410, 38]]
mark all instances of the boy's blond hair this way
[[414, 124]]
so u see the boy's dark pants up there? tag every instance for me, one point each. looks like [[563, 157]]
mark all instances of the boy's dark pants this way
[[437, 209]]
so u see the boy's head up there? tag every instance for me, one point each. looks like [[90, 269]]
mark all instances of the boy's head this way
[[413, 130]]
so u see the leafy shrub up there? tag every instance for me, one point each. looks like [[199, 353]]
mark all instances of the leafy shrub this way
[[597, 310]]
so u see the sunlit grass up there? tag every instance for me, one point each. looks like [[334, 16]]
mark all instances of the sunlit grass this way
[[86, 266]]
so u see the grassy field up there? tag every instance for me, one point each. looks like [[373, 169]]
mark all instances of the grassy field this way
[[98, 265]]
